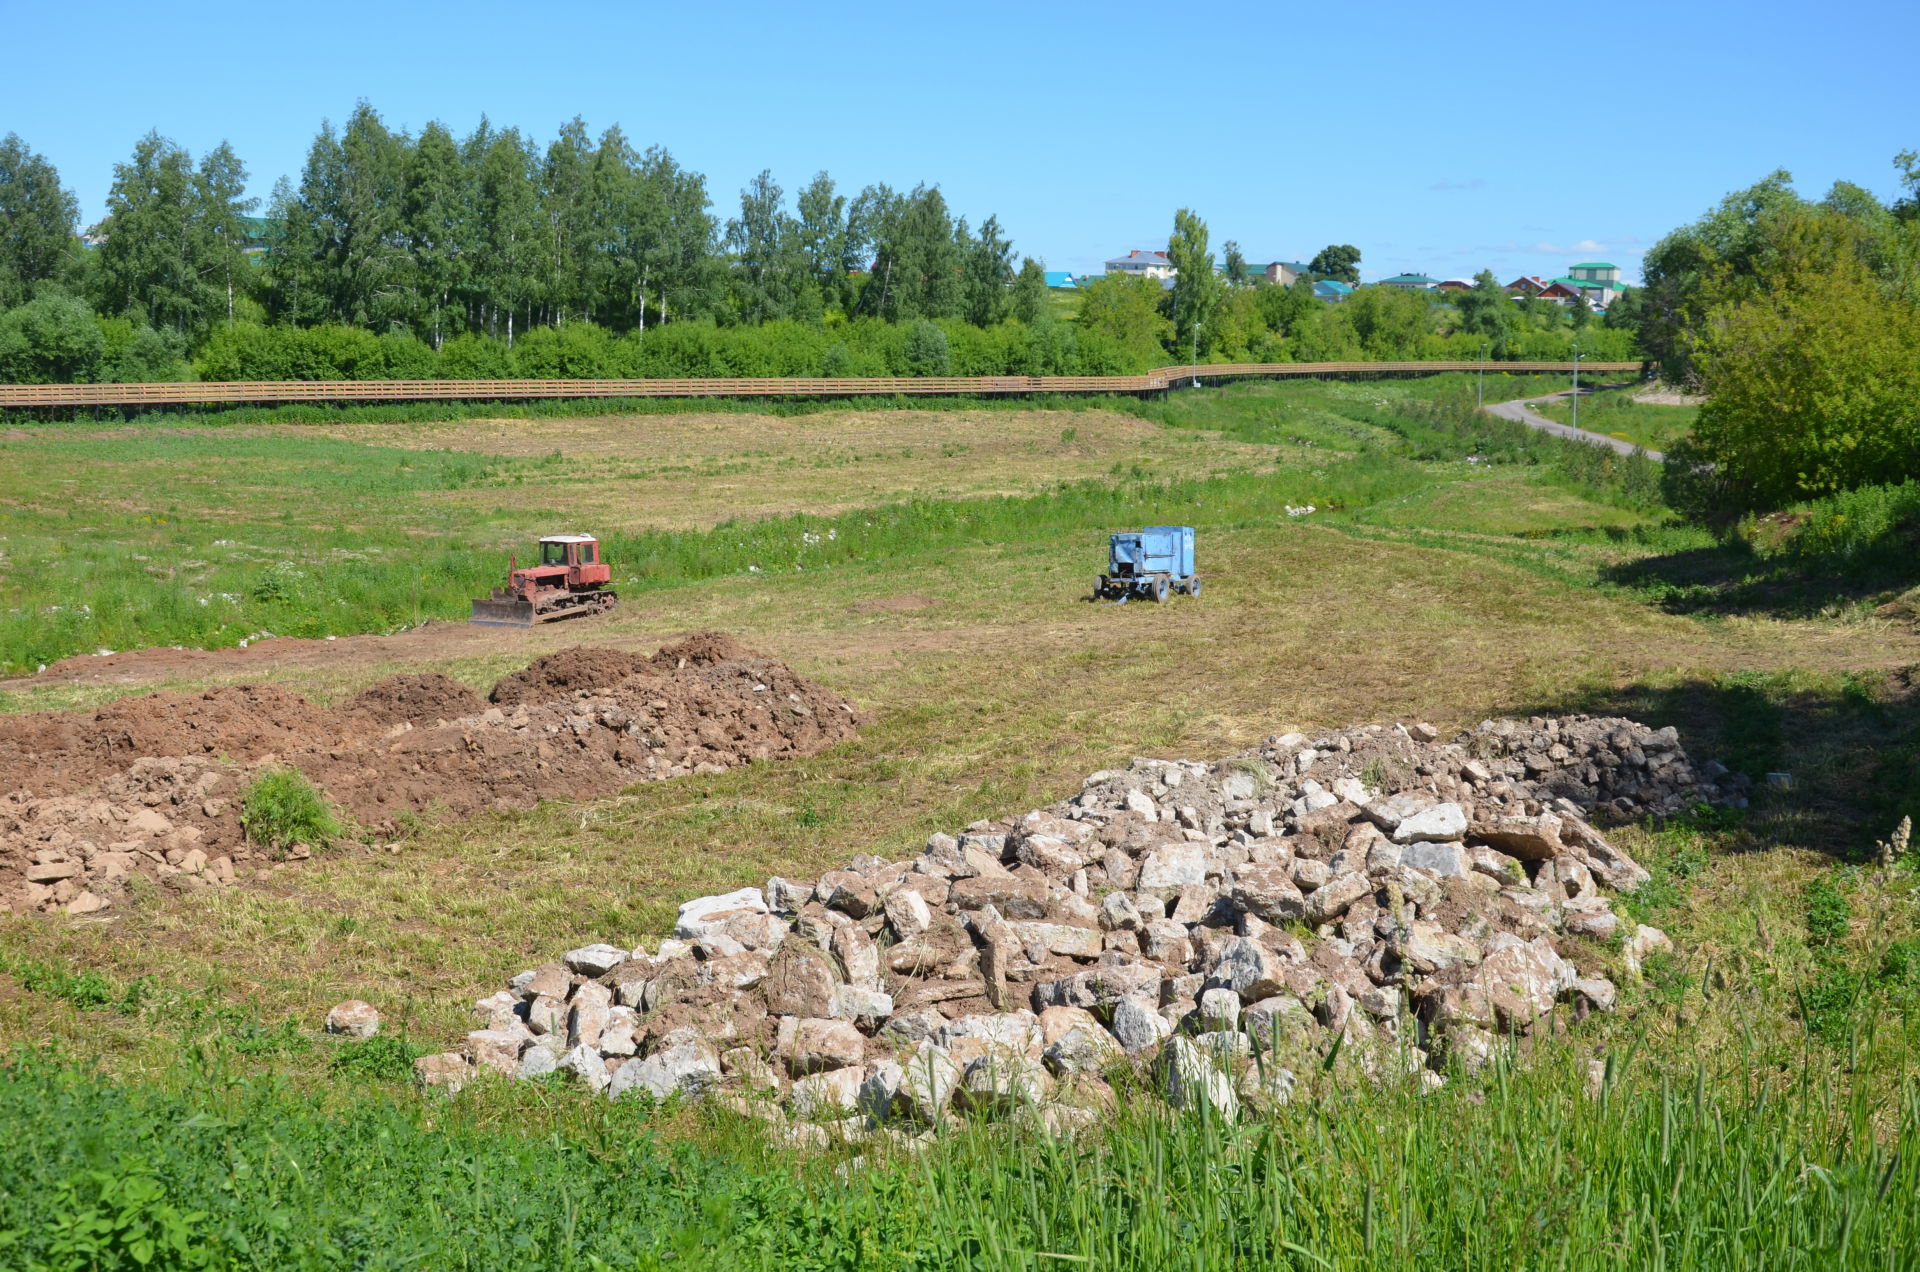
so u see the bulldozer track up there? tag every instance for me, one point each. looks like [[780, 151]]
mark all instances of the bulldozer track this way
[[234, 393]]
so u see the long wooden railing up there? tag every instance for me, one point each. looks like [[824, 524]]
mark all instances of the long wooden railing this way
[[278, 391]]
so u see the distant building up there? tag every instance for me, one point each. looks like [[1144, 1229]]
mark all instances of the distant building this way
[[1141, 264], [1286, 273], [1526, 285], [1066, 278], [1410, 282], [1456, 284], [1596, 282], [1331, 290]]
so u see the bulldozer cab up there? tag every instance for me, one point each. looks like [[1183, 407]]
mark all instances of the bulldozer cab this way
[[568, 550]]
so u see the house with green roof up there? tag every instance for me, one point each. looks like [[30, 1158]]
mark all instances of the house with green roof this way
[[1410, 282], [1596, 282]]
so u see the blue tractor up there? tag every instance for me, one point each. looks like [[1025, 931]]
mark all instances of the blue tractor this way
[[1152, 562]]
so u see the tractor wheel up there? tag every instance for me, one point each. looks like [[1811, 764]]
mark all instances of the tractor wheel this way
[[1159, 591], [1193, 587], [1099, 586]]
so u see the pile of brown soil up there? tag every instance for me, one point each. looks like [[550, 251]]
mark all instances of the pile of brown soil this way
[[418, 699], [556, 675], [152, 785]]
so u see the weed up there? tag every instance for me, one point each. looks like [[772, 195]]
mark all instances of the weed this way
[[1828, 913], [282, 808], [388, 1056]]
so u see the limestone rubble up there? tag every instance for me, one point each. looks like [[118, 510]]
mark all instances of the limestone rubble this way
[[1219, 925]]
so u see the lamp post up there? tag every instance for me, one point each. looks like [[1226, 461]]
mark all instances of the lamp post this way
[[1193, 358], [1576, 386]]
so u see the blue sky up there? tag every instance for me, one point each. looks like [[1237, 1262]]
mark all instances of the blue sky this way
[[1441, 138]]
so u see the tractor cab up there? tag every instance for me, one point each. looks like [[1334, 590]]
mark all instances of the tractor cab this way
[[567, 561], [569, 549]]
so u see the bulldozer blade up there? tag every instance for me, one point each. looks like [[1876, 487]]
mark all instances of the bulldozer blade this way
[[511, 612]]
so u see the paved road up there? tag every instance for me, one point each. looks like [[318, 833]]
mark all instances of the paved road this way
[[1518, 412]]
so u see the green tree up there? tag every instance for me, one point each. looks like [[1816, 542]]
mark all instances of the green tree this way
[[918, 261], [220, 229], [37, 216], [566, 202], [438, 224], [1811, 374], [1389, 323], [822, 232], [1196, 287], [1030, 299], [1234, 263], [1486, 311], [989, 273], [342, 255], [1283, 308], [1124, 310], [771, 274], [1724, 243], [1338, 261], [513, 238], [174, 247]]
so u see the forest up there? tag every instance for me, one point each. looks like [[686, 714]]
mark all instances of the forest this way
[[402, 255]]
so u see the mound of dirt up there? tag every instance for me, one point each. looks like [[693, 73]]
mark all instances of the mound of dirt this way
[[419, 699], [52, 753], [702, 648], [151, 785], [554, 675]]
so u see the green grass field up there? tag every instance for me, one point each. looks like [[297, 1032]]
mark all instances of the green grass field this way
[[168, 1082], [1654, 426]]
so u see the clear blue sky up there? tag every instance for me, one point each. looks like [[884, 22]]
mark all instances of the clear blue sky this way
[[1441, 138]]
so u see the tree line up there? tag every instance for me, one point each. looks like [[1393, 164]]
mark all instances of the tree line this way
[[440, 255]]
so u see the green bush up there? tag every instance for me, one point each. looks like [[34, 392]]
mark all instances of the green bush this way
[[928, 350], [282, 808], [52, 340]]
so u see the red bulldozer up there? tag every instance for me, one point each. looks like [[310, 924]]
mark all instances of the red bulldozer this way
[[570, 580]]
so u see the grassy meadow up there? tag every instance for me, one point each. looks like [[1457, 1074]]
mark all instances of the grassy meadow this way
[[1655, 426], [167, 1081]]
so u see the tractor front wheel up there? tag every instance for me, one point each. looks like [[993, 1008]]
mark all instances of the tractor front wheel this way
[[1159, 591], [1193, 587]]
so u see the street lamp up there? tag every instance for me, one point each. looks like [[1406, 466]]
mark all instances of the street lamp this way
[[1193, 365], [1576, 386]]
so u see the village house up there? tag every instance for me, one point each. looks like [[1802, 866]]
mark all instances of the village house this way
[[1141, 264]]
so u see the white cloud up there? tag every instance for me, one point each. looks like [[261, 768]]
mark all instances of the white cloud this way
[[1475, 183]]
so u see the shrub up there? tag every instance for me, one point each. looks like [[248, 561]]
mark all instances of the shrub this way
[[282, 808], [52, 340], [928, 352]]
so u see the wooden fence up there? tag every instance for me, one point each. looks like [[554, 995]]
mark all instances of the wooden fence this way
[[278, 391]]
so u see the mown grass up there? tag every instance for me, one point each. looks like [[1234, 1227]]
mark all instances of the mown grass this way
[[1763, 1078], [117, 538]]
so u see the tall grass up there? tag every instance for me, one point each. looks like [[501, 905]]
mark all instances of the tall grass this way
[[1523, 1169]]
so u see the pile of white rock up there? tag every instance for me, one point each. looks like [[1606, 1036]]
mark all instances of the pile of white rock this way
[[1373, 900]]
